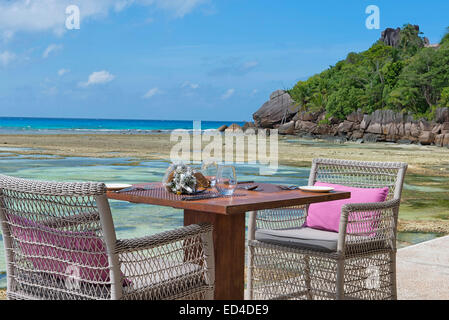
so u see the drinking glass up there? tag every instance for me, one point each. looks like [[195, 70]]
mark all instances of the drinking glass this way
[[209, 170], [226, 180]]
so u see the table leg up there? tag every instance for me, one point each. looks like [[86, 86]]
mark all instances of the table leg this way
[[229, 245]]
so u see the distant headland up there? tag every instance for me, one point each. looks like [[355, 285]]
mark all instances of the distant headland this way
[[396, 91]]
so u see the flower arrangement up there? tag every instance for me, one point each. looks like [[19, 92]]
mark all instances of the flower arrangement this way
[[182, 179]]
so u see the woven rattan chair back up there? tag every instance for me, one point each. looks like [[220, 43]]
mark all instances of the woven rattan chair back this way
[[360, 174], [57, 237]]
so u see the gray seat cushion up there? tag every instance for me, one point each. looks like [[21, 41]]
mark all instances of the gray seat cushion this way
[[304, 238]]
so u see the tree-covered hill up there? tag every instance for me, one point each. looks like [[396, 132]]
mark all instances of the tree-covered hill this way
[[411, 77]]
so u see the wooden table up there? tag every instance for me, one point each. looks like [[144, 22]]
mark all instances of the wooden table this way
[[227, 215]]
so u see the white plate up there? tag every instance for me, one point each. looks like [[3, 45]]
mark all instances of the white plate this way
[[117, 186], [316, 189]]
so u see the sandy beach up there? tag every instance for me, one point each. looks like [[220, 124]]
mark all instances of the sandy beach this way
[[426, 160]]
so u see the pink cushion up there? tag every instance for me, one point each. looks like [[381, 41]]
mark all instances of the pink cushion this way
[[326, 215], [45, 247]]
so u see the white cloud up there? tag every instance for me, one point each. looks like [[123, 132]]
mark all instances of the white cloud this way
[[51, 91], [254, 92], [179, 7], [7, 35], [98, 77], [51, 48], [188, 84], [229, 93], [122, 4], [6, 57], [233, 66], [151, 93], [250, 65], [62, 72], [49, 15]]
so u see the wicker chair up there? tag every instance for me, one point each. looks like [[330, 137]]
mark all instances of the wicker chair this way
[[60, 244], [350, 264]]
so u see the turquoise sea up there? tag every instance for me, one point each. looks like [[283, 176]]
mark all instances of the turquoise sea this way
[[16, 125]]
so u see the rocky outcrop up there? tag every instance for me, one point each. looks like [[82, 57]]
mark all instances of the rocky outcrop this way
[[287, 128], [234, 128], [426, 138], [442, 115], [391, 37], [248, 125], [278, 110], [381, 125], [307, 116]]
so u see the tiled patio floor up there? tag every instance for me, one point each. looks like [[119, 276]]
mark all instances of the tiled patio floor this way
[[423, 271]]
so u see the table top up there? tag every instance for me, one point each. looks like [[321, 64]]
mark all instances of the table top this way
[[270, 197]]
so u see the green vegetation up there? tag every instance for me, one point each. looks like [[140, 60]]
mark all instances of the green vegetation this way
[[410, 79]]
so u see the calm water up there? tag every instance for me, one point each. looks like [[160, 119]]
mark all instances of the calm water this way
[[134, 220], [10, 125]]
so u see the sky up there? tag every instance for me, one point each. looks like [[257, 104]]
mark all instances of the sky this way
[[181, 59]]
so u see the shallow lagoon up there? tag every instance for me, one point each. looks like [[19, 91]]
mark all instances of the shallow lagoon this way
[[134, 220]]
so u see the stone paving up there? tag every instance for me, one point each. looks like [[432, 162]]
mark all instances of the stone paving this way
[[423, 271]]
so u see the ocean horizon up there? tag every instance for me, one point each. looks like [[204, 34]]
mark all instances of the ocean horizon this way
[[31, 125]]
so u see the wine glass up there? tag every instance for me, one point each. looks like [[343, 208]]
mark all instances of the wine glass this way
[[209, 170], [226, 180]]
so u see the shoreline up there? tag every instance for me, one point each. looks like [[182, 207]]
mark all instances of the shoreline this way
[[50, 132], [421, 210], [157, 146]]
